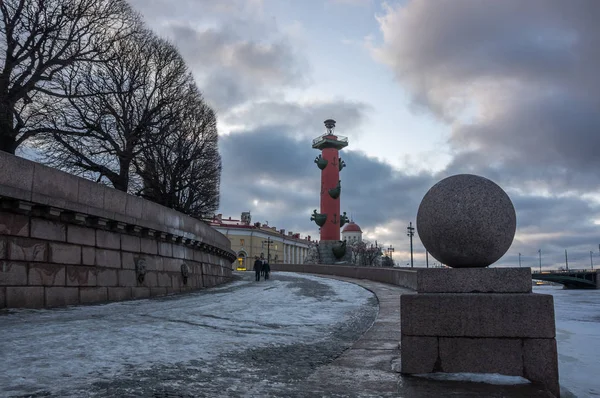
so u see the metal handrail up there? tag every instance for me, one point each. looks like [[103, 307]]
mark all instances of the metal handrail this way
[[340, 138]]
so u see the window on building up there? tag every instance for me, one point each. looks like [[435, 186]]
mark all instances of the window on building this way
[[241, 242]]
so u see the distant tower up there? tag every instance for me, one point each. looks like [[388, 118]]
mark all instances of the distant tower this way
[[329, 219]]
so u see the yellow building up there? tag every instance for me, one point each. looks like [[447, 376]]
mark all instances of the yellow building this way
[[255, 239]]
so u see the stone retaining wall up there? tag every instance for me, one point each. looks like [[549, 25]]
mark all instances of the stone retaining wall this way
[[400, 277], [65, 240]]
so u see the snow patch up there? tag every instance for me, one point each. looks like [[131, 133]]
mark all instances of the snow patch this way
[[487, 378]]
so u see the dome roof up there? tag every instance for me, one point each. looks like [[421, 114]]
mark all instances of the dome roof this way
[[351, 227]]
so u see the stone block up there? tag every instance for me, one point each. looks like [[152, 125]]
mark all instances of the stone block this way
[[140, 292], [481, 355], [540, 363], [148, 246], [48, 230], [25, 297], [55, 183], [171, 264], [3, 248], [16, 172], [164, 279], [165, 249], [14, 224], [107, 277], [119, 293], [178, 251], [115, 201], [2, 297], [127, 278], [174, 290], [128, 260], [24, 249], [133, 206], [474, 280], [46, 274], [13, 274], [90, 193], [89, 295], [419, 354], [108, 258], [81, 235], [81, 276], [88, 255], [158, 291], [60, 253], [151, 279], [107, 240], [61, 296], [130, 243], [477, 315], [189, 254]]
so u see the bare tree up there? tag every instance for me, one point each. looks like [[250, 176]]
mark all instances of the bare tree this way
[[183, 170], [113, 108], [39, 39], [365, 254]]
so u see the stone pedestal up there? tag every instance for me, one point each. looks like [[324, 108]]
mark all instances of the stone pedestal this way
[[479, 320], [326, 253]]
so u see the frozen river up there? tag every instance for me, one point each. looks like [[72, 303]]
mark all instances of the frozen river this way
[[578, 338]]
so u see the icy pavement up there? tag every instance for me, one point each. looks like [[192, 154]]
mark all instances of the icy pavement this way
[[293, 336], [217, 342]]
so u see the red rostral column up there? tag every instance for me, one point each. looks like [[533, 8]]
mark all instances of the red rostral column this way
[[329, 163]]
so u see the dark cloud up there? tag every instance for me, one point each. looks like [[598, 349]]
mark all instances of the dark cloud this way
[[518, 80], [306, 119]]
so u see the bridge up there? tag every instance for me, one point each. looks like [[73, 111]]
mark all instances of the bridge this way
[[571, 279]]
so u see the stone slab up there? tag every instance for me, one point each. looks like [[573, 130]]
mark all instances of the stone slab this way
[[89, 295], [141, 292], [16, 172], [23, 249], [25, 297], [478, 315], [46, 274], [48, 230], [474, 280], [419, 354], [481, 355], [107, 277], [107, 240], [14, 224], [108, 258], [81, 235], [81, 276], [2, 297], [119, 293], [61, 296], [13, 273], [60, 253], [130, 243], [540, 363]]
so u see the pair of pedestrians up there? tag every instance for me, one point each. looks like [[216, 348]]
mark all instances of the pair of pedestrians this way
[[261, 267]]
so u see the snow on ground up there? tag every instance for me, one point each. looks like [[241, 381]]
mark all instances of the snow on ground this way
[[46, 350], [488, 378], [578, 339]]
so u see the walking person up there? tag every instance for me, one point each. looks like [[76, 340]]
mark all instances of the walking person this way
[[266, 269], [257, 268]]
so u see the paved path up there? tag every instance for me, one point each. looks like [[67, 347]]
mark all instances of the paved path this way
[[370, 368], [293, 336]]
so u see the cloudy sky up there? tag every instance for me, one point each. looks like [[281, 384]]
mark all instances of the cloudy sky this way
[[423, 90]]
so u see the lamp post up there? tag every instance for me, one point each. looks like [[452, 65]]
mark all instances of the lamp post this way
[[591, 261], [519, 260], [427, 258], [268, 242], [411, 233], [540, 253], [566, 260]]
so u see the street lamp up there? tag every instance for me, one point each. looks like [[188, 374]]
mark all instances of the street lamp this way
[[591, 261], [391, 252], [540, 253], [427, 258], [519, 260], [411, 233], [268, 242]]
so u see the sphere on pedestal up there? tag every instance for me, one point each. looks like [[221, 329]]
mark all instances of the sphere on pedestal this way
[[466, 221]]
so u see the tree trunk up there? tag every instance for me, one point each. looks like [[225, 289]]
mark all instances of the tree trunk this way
[[8, 135]]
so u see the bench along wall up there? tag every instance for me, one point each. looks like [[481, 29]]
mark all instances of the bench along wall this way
[[394, 276], [66, 240]]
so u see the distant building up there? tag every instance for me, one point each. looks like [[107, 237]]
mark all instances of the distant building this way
[[253, 239], [351, 233]]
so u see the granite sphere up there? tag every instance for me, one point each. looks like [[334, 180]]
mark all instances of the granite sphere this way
[[466, 221]]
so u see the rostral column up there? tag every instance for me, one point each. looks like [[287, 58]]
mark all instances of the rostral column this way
[[329, 219]]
